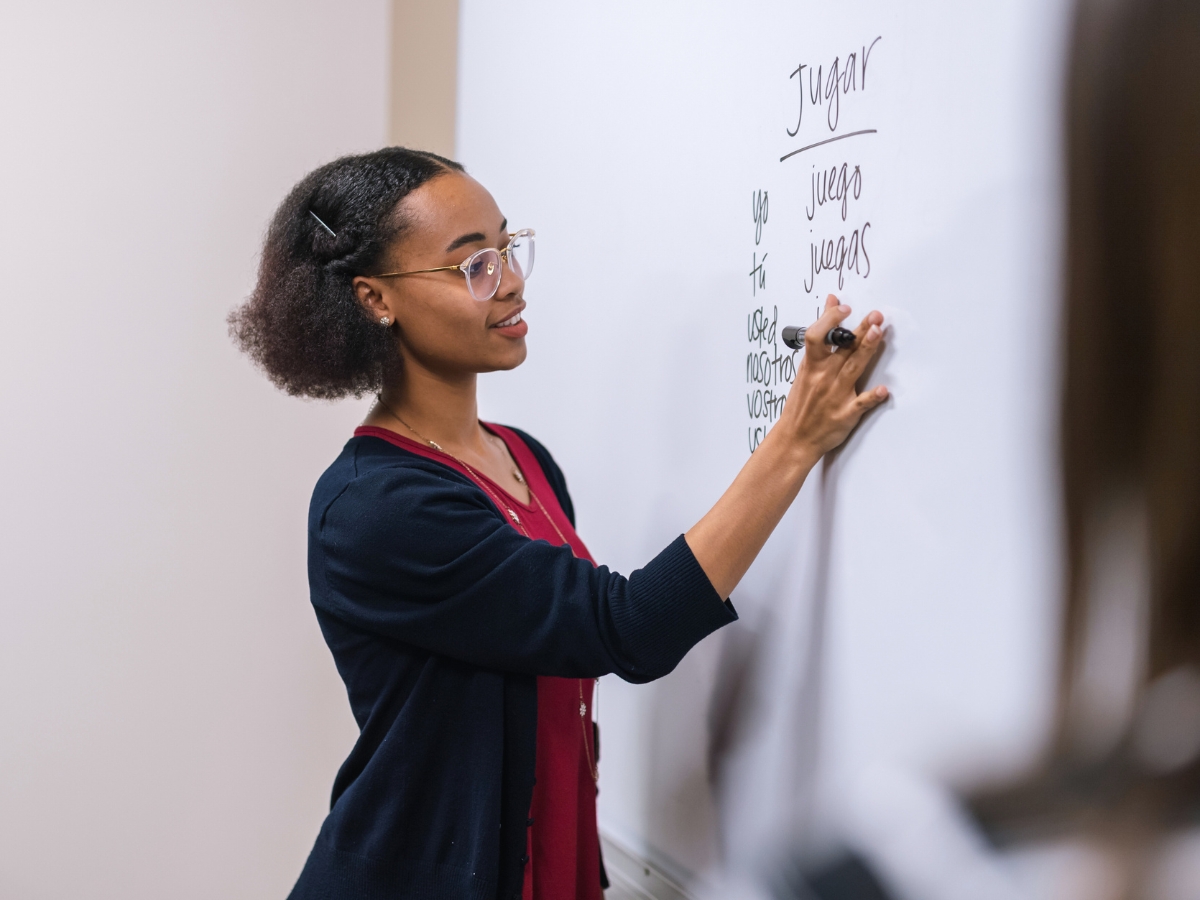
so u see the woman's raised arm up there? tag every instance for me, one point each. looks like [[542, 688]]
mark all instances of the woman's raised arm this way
[[822, 408]]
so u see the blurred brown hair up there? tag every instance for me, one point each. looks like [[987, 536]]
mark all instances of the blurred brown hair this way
[[1130, 440], [1131, 406]]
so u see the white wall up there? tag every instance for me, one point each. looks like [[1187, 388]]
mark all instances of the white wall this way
[[170, 720]]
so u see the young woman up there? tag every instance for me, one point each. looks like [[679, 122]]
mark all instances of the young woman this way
[[463, 612]]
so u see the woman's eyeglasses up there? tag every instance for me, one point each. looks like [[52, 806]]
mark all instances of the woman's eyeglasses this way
[[482, 268]]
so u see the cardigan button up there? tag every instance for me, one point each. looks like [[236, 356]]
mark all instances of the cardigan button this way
[[529, 822], [524, 859]]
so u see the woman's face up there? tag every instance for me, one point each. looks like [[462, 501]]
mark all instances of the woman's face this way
[[439, 325]]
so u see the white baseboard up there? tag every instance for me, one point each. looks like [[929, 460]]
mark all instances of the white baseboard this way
[[635, 878]]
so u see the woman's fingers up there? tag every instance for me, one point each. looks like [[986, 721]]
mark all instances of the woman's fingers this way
[[823, 406], [874, 317], [869, 333], [815, 347], [870, 399]]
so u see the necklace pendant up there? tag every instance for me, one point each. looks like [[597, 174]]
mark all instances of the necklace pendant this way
[[514, 516], [436, 446], [582, 709]]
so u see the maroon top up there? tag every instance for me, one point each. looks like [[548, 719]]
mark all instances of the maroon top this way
[[564, 846]]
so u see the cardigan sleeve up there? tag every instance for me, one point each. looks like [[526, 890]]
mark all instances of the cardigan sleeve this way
[[421, 556]]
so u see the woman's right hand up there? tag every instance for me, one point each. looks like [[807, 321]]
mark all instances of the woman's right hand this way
[[822, 408], [823, 405]]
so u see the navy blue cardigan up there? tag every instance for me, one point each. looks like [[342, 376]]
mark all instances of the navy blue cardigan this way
[[440, 616]]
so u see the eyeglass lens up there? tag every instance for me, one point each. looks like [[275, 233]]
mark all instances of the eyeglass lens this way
[[483, 274], [484, 269], [520, 254]]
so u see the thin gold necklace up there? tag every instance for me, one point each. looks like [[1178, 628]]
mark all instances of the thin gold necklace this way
[[593, 769], [516, 472], [512, 513]]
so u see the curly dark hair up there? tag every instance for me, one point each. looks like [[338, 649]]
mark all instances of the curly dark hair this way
[[303, 325]]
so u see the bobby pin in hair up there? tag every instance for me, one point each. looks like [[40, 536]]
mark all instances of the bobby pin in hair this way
[[332, 233]]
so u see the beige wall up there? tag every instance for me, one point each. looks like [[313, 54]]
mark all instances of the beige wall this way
[[170, 719], [424, 74]]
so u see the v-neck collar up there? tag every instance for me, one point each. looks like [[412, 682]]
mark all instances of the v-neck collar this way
[[452, 462]]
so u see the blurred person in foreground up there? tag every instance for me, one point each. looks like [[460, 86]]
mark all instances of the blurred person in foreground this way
[[1124, 769]]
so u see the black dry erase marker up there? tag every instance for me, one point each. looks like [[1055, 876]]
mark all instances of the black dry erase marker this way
[[793, 336]]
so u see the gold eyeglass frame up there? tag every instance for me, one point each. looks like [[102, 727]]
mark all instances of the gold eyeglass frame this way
[[465, 265]]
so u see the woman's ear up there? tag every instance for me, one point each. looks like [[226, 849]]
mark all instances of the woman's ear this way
[[370, 295]]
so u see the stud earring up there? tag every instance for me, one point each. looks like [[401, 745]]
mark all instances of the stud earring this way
[[385, 321]]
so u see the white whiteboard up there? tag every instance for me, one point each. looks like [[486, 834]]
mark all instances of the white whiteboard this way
[[635, 138]]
